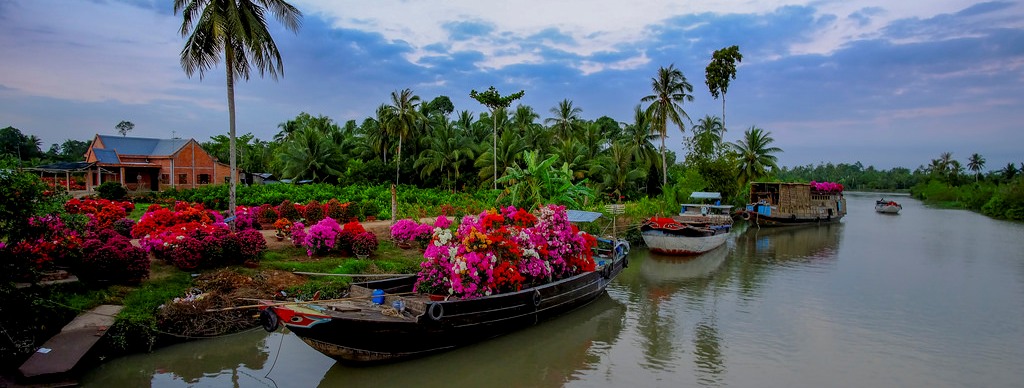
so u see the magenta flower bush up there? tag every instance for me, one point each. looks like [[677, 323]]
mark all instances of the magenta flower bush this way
[[406, 231], [322, 237], [109, 256], [504, 250], [298, 234]]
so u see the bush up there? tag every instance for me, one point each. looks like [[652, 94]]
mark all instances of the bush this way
[[314, 212], [287, 210], [124, 227], [267, 214], [112, 191], [107, 255], [338, 210], [364, 243]]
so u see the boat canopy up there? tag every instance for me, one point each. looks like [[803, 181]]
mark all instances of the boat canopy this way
[[582, 216], [705, 195]]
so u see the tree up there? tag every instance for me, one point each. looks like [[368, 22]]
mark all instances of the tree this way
[[755, 154], [975, 163], [538, 182], [720, 71], [402, 120], [124, 127], [566, 118], [671, 89], [494, 101], [238, 29], [707, 135]]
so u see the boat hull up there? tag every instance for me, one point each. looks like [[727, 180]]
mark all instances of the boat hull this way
[[442, 325], [673, 244], [791, 220], [888, 209]]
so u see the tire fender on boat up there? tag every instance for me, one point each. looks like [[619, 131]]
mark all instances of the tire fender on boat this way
[[269, 320], [606, 272], [436, 311], [746, 216], [536, 298], [625, 261]]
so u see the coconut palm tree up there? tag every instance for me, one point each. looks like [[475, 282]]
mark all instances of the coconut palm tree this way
[[310, 153], [402, 120], [755, 154], [510, 148], [707, 135], [566, 117], [238, 29], [447, 149], [975, 163], [618, 169], [671, 90]]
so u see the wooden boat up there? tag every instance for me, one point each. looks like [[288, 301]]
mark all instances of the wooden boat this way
[[384, 321], [360, 331], [697, 228], [785, 204], [887, 207]]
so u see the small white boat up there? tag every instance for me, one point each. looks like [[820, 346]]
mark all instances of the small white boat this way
[[697, 229], [887, 207]]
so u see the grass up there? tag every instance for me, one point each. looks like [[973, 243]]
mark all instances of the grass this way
[[140, 209]]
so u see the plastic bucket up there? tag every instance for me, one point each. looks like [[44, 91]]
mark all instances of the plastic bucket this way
[[378, 297]]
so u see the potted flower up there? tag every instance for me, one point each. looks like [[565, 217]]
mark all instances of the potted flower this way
[[404, 232], [283, 227], [363, 244]]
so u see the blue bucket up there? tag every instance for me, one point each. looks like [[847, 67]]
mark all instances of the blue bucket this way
[[378, 296]]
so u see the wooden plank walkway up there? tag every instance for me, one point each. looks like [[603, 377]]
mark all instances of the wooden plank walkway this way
[[68, 347]]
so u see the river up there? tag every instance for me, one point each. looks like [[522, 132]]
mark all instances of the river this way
[[927, 298]]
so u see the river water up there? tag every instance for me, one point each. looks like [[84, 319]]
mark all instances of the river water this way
[[926, 298]]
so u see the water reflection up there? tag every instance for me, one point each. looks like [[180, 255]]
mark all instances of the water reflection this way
[[223, 361], [548, 355], [677, 294], [799, 243]]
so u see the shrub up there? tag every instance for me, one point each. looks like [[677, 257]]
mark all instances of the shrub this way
[[112, 191], [245, 218], [124, 227], [298, 234], [287, 210], [369, 208], [110, 256], [267, 214], [323, 237], [338, 210], [364, 243], [314, 212]]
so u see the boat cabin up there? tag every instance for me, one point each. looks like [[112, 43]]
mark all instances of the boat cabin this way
[[797, 200], [705, 207]]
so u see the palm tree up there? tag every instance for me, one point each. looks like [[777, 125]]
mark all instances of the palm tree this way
[[510, 148], [755, 154], [618, 169], [671, 89], [566, 118], [538, 182], [238, 28], [975, 163], [707, 135], [309, 153], [402, 119], [447, 149]]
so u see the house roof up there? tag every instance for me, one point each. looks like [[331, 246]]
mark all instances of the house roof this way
[[141, 145], [106, 156]]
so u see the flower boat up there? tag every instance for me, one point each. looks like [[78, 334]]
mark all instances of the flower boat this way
[[786, 204], [499, 272], [697, 229], [887, 207]]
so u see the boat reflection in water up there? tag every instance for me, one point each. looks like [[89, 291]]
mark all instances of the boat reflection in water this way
[[796, 244], [675, 311], [660, 270], [545, 355]]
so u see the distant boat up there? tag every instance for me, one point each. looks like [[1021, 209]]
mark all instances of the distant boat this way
[[785, 204], [887, 207], [697, 229]]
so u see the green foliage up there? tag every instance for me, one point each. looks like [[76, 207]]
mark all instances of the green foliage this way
[[23, 195], [112, 191], [135, 328]]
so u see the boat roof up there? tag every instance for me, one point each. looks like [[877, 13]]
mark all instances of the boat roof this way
[[582, 215], [705, 195], [706, 205]]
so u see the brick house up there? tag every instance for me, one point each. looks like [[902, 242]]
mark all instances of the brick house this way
[[152, 164]]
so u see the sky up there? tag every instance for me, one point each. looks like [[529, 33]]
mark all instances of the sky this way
[[881, 82]]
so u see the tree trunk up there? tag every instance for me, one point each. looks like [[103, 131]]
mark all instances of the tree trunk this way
[[723, 113], [494, 154], [398, 163], [664, 163], [229, 57]]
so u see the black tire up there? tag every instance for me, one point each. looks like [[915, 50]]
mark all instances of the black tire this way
[[746, 216], [537, 298], [606, 272], [269, 320], [436, 311]]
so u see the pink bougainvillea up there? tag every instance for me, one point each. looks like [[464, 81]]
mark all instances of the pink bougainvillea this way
[[504, 250]]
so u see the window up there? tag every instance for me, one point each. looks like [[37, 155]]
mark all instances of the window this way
[[182, 179], [165, 178], [204, 179]]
